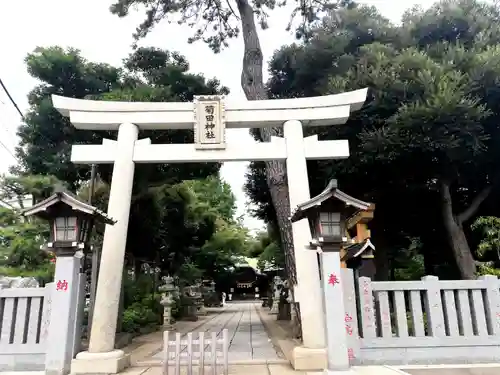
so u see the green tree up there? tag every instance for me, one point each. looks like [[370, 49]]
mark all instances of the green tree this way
[[46, 137], [21, 238], [196, 239], [149, 74], [217, 255], [423, 146], [489, 229], [266, 247], [216, 194], [38, 187]]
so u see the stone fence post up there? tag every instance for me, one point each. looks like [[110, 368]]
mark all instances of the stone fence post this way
[[366, 307], [351, 313], [434, 306], [63, 336], [492, 304]]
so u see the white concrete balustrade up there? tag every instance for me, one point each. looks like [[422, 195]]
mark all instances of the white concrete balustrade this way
[[430, 321], [24, 324], [40, 328]]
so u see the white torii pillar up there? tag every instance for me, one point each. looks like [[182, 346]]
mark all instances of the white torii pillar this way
[[128, 118]]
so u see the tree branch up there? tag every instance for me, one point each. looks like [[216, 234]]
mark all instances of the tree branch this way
[[474, 206]]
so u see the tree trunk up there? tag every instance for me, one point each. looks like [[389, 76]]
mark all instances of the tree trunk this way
[[455, 234], [252, 83]]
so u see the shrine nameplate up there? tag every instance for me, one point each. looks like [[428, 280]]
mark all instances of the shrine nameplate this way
[[209, 122]]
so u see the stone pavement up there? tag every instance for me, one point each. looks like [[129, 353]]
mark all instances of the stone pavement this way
[[283, 369], [248, 339], [251, 351], [486, 369], [256, 369]]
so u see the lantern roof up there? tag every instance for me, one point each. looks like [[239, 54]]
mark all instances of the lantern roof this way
[[64, 197], [331, 191]]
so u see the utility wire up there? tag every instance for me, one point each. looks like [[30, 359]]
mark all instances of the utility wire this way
[[8, 150], [11, 99], [18, 111]]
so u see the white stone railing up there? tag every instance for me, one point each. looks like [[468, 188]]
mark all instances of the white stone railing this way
[[24, 323], [423, 322]]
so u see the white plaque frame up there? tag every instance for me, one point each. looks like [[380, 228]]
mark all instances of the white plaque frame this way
[[200, 101]]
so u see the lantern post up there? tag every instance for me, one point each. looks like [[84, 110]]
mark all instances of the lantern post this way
[[71, 222], [327, 213]]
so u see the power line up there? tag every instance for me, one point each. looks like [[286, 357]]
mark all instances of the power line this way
[[8, 130], [20, 114], [8, 150], [11, 99], [18, 111]]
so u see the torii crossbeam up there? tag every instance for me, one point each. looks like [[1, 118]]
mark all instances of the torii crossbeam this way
[[145, 152]]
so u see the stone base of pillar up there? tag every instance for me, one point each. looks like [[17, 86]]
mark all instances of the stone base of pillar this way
[[307, 359], [100, 363]]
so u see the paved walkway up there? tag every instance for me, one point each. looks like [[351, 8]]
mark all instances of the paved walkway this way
[[248, 340], [458, 370]]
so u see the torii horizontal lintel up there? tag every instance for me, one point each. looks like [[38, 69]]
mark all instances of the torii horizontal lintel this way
[[187, 153], [312, 111]]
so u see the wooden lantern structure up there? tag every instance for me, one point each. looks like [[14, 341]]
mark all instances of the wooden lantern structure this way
[[338, 219], [71, 221]]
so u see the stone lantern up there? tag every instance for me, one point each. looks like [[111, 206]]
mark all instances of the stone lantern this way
[[71, 222], [277, 287], [327, 214], [168, 290]]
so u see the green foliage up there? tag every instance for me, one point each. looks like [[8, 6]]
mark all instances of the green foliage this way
[[214, 194], [487, 269], [46, 137], [149, 74], [20, 241], [431, 119], [408, 264], [489, 229], [162, 213], [199, 235], [139, 315], [38, 186], [188, 273], [43, 273], [21, 238], [256, 188], [141, 304], [266, 248]]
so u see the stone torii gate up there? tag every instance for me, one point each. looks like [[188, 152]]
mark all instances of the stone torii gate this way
[[209, 116]]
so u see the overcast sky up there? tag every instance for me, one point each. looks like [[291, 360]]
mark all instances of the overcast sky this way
[[103, 37]]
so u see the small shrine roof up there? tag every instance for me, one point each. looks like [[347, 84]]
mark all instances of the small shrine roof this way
[[331, 191], [69, 199], [357, 249]]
